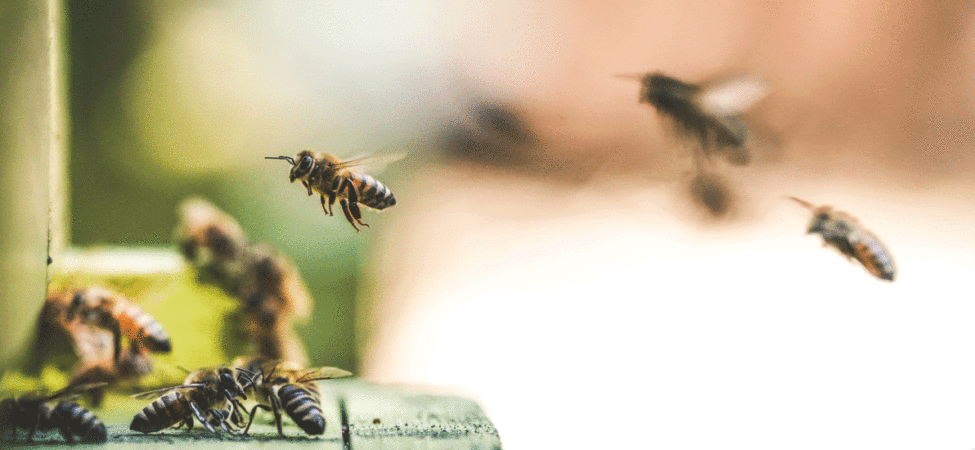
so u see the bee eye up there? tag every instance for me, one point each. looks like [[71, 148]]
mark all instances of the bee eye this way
[[305, 164]]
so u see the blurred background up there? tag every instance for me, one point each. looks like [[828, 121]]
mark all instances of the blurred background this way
[[546, 256]]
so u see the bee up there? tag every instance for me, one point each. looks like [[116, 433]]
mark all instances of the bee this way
[[330, 177], [206, 395], [35, 412], [286, 387], [844, 233], [713, 114], [103, 308], [100, 357], [213, 242], [272, 293]]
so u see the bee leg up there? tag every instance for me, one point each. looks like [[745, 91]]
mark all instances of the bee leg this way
[[188, 422], [331, 201], [276, 408], [348, 214], [220, 417], [327, 210], [307, 186], [199, 416], [254, 410], [354, 202], [117, 334]]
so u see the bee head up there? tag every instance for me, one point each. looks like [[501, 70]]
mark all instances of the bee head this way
[[663, 91], [300, 168], [818, 223], [302, 165], [230, 384]]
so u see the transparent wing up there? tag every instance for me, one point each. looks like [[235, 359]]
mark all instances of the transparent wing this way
[[159, 392], [732, 96], [371, 163], [323, 373], [72, 391]]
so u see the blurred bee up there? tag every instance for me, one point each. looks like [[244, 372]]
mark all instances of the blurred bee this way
[[35, 412], [844, 233], [100, 357], [103, 308], [286, 387], [213, 242], [209, 395], [269, 286], [274, 296], [712, 113], [326, 175]]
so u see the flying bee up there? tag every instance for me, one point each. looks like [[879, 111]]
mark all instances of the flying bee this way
[[206, 395], [286, 387], [330, 177], [35, 412], [844, 233], [103, 308], [713, 113]]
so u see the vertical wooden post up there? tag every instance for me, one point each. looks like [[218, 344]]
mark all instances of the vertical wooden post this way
[[32, 135]]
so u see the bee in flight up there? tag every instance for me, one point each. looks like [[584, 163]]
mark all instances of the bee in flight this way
[[844, 233], [330, 177], [209, 395], [35, 412], [711, 113], [286, 387]]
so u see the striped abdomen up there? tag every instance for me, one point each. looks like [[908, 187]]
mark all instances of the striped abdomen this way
[[139, 326], [79, 423], [371, 192], [868, 250], [162, 413], [302, 403]]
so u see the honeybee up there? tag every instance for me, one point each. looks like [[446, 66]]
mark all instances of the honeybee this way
[[713, 114], [209, 395], [213, 242], [103, 308], [273, 296], [844, 233], [100, 357], [330, 177], [284, 386], [35, 412]]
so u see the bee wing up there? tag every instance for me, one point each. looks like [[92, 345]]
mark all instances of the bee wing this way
[[371, 163], [72, 391], [158, 392], [323, 373], [732, 96]]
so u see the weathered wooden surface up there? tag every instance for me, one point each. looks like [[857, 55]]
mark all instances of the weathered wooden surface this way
[[378, 417]]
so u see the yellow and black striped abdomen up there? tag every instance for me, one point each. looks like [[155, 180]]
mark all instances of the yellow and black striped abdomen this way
[[303, 405], [139, 326], [162, 413], [868, 250], [371, 192], [79, 422]]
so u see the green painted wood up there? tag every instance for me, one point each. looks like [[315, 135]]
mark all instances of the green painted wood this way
[[379, 417]]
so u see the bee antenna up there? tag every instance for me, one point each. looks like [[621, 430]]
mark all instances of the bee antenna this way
[[801, 202], [286, 158]]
